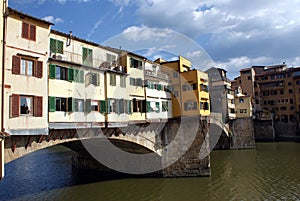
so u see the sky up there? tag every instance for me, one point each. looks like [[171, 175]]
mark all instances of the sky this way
[[232, 34]]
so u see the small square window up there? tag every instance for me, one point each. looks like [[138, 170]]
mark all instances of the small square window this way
[[26, 104]]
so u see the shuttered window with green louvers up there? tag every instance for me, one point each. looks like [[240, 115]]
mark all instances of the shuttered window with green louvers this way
[[87, 56], [52, 104], [103, 106], [56, 46]]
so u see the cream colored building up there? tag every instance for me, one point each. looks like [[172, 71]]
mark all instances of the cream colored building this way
[[158, 96], [135, 67], [77, 82], [25, 75]]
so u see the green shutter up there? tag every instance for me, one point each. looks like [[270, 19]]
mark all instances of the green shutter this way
[[98, 79], [71, 107], [129, 107], [76, 75], [81, 76], [59, 46], [71, 74], [159, 87], [52, 45], [88, 105], [52, 104], [131, 62], [108, 105], [52, 71], [157, 106], [84, 55], [103, 106], [148, 106]]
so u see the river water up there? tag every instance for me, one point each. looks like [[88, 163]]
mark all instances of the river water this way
[[270, 172]]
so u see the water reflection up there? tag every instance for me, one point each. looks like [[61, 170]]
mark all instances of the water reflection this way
[[270, 172]]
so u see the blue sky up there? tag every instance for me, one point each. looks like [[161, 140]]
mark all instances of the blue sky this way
[[235, 34]]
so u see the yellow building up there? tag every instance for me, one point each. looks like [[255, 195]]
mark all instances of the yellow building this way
[[25, 77], [190, 88], [135, 67]]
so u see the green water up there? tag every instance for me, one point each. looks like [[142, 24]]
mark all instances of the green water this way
[[270, 172]]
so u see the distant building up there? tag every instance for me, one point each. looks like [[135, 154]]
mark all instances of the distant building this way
[[274, 91], [243, 105], [221, 94]]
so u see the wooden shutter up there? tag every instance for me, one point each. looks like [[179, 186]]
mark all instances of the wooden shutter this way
[[52, 45], [38, 69], [103, 107], [32, 32], [98, 79], [52, 104], [88, 105], [71, 74], [84, 55], [38, 106], [129, 107], [108, 105], [52, 71], [148, 106], [15, 105], [25, 30], [71, 106], [81, 76], [16, 65]]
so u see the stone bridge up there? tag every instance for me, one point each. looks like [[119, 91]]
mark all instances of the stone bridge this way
[[173, 146]]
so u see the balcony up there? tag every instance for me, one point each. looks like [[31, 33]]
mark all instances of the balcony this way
[[156, 75]]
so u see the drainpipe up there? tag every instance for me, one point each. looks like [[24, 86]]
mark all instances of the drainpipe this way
[[3, 63], [2, 89]]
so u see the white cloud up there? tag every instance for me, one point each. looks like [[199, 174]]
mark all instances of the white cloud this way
[[54, 20], [95, 27], [237, 29], [141, 33]]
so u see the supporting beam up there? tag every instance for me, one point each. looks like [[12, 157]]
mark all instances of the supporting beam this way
[[1, 158]]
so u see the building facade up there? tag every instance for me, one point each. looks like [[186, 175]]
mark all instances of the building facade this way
[[25, 84], [158, 96]]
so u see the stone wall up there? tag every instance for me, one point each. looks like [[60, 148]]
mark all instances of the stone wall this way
[[186, 136], [263, 130], [242, 133]]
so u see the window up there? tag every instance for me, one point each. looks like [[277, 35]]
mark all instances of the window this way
[[249, 77], [61, 73], [281, 92], [110, 58], [56, 46], [291, 101], [190, 105], [175, 74], [26, 105], [165, 106], [203, 87], [241, 100], [136, 82], [112, 79], [79, 105], [95, 79], [95, 106], [290, 91], [123, 81], [243, 111], [28, 31], [61, 104], [188, 87], [204, 105], [87, 56], [139, 105], [134, 63], [25, 66], [289, 84]]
